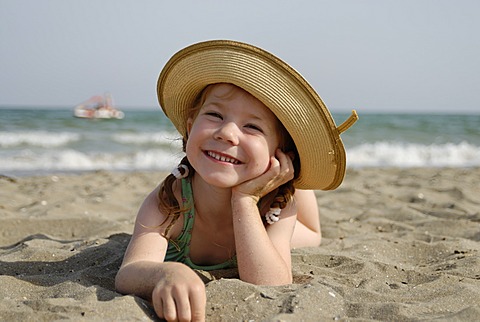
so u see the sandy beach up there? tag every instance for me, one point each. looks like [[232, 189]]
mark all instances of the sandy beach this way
[[398, 244]]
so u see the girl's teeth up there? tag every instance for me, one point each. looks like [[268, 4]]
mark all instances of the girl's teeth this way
[[222, 158]]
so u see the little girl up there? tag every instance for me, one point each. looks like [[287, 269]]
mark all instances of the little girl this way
[[253, 131]]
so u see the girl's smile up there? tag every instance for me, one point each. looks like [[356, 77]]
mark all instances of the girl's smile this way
[[232, 138], [222, 157]]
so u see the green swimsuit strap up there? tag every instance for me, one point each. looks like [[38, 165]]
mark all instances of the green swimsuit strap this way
[[188, 217], [178, 248]]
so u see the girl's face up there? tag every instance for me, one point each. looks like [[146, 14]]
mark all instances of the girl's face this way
[[232, 138]]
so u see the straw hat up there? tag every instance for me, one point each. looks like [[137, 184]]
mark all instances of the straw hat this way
[[275, 84]]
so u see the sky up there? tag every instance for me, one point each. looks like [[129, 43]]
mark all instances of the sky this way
[[374, 56]]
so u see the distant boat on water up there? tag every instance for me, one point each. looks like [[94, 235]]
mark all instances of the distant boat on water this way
[[98, 107]]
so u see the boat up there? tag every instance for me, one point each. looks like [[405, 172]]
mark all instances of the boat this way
[[98, 107]]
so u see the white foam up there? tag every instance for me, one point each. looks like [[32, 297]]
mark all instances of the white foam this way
[[165, 138], [37, 138], [71, 160], [395, 154], [379, 154]]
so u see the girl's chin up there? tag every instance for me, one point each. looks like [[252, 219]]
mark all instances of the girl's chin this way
[[223, 180]]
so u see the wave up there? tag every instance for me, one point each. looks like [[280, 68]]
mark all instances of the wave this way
[[164, 138], [72, 160], [164, 158], [37, 138], [45, 139], [396, 154]]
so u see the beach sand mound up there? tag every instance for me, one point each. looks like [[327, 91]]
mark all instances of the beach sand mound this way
[[398, 244]]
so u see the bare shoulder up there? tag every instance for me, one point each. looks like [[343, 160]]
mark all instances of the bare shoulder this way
[[149, 239], [305, 196], [149, 213], [282, 230], [150, 216]]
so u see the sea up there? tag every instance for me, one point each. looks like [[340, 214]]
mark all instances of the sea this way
[[35, 141]]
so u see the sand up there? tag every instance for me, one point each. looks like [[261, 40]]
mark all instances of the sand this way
[[398, 244]]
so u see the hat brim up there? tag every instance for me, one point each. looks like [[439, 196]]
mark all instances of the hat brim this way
[[277, 85]]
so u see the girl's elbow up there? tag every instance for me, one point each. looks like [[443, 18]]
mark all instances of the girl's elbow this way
[[317, 240], [120, 282], [278, 282], [285, 281], [268, 280]]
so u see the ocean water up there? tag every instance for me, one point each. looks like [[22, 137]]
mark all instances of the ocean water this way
[[38, 141]]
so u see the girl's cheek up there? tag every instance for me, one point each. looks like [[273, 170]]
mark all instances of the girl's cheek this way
[[265, 166]]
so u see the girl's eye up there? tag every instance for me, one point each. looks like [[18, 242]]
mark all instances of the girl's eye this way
[[254, 127], [214, 114]]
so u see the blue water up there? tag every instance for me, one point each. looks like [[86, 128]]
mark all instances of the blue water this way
[[35, 141]]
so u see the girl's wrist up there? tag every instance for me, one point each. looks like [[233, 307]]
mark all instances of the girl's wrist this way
[[239, 197], [243, 205]]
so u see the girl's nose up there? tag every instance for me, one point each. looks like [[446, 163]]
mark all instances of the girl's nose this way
[[228, 132]]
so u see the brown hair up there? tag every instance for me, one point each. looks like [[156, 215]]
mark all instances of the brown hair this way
[[278, 198]]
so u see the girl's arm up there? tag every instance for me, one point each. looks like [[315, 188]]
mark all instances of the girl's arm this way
[[176, 291], [263, 254], [307, 231]]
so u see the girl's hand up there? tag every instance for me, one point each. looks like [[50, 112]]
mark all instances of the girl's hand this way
[[281, 171], [179, 295]]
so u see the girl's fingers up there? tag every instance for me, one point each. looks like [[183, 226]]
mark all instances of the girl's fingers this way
[[181, 303], [197, 305], [167, 309], [281, 170], [184, 312], [180, 296], [274, 164], [158, 307], [286, 165]]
